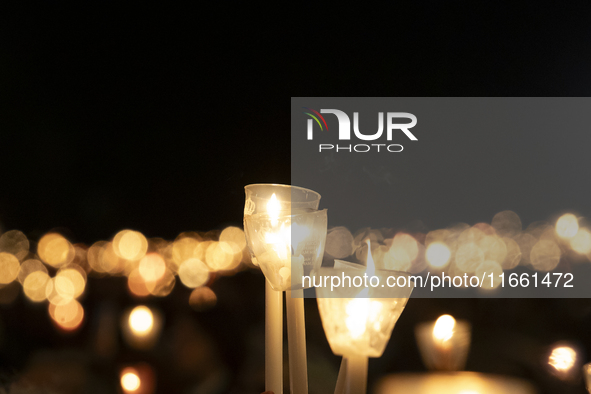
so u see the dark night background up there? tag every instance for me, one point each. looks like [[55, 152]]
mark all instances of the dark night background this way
[[155, 118]]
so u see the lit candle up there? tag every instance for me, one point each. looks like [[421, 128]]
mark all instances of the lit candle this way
[[296, 337], [274, 313], [141, 327], [443, 331], [358, 324], [273, 339], [286, 235], [563, 361], [284, 240], [444, 344]]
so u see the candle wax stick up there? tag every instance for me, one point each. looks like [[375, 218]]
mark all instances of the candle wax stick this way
[[296, 338], [273, 339], [342, 378], [356, 375]]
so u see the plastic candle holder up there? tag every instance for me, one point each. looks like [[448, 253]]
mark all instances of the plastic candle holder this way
[[288, 247], [444, 345], [359, 322]]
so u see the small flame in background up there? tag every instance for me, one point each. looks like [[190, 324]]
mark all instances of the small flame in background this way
[[57, 271], [563, 358], [141, 320], [130, 381], [443, 330]]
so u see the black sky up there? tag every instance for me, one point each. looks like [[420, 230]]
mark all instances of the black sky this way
[[155, 118]]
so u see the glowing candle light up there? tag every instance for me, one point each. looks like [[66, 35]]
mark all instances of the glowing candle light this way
[[358, 324], [137, 379], [130, 381], [444, 344], [444, 329], [285, 234], [141, 320], [141, 327], [563, 362], [562, 358]]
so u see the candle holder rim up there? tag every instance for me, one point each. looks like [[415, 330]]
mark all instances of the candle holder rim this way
[[265, 215], [283, 185]]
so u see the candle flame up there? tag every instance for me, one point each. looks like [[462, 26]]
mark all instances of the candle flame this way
[[273, 208], [562, 358], [130, 381], [141, 320], [360, 313], [444, 328]]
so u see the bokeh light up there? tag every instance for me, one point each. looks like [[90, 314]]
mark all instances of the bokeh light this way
[[487, 268], [71, 276], [193, 273], [130, 245], [152, 267], [130, 380], [469, 257], [9, 267], [136, 284], [567, 226], [513, 256], [223, 256], [185, 248], [163, 286], [15, 243], [234, 235], [506, 224], [55, 250], [437, 255], [35, 284], [68, 316], [28, 267], [581, 242], [402, 252], [202, 299], [545, 255]]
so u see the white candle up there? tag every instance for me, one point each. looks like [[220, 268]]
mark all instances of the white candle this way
[[296, 337], [342, 378], [356, 375], [273, 339], [273, 239]]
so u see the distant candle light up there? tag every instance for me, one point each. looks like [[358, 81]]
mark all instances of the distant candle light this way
[[563, 358], [141, 320], [130, 381], [444, 328]]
